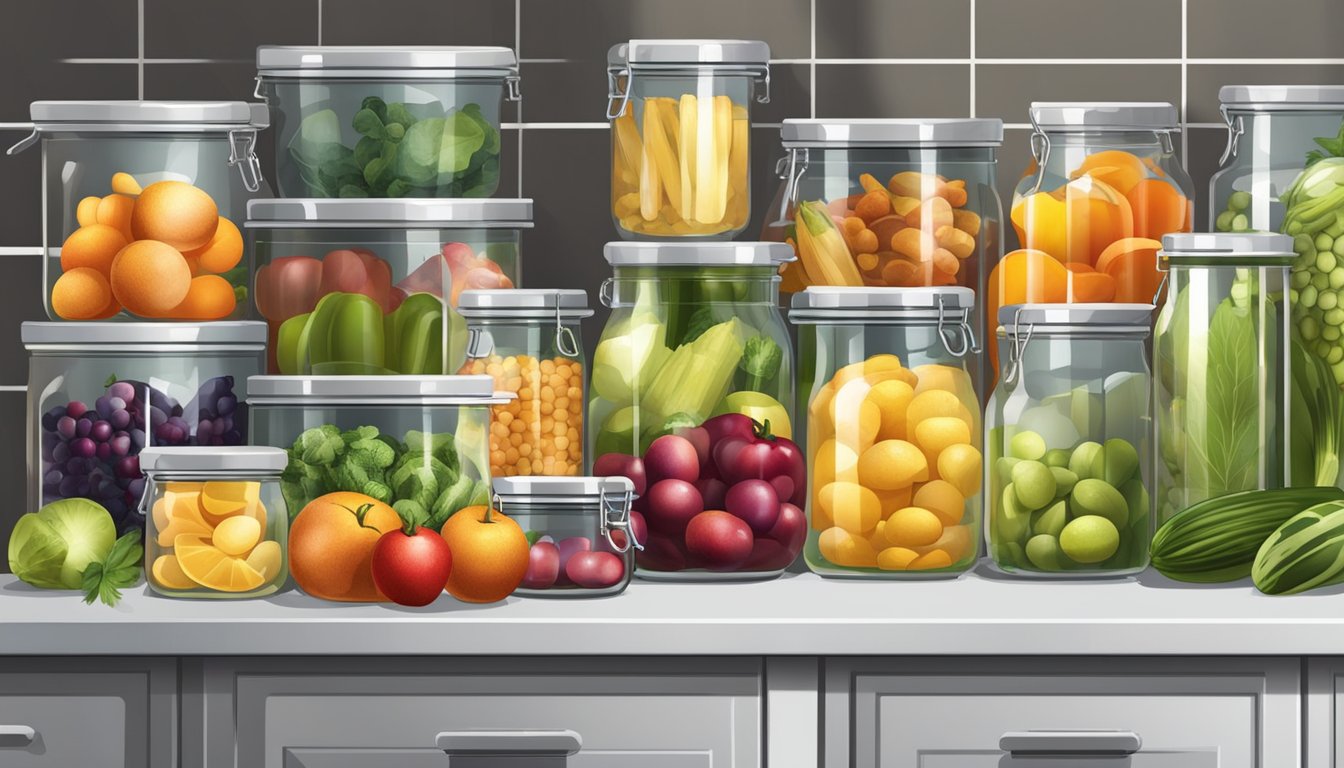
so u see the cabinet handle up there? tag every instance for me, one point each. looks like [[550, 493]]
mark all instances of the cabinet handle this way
[[16, 735], [1070, 742], [507, 742]]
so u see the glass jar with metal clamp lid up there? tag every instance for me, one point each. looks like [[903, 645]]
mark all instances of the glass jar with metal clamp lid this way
[[530, 342], [217, 521], [582, 531], [680, 112], [1068, 431], [887, 391]]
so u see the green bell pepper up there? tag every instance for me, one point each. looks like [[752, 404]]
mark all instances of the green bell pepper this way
[[344, 336], [413, 336]]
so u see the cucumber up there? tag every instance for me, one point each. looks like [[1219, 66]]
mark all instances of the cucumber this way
[[1217, 539], [1304, 553]]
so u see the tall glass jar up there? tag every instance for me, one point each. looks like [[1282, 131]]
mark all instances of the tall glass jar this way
[[1068, 430], [887, 397], [529, 341], [1220, 359], [685, 173], [692, 398]]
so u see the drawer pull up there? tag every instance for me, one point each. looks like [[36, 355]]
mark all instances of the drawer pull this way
[[1070, 742], [16, 735], [498, 743]]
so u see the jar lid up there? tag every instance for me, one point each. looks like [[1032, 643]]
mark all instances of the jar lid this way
[[1104, 116], [701, 254], [373, 390], [636, 53], [1133, 317], [437, 213], [559, 489], [1212, 248], [44, 334], [385, 60], [1286, 98], [524, 302], [213, 458], [915, 303], [188, 116], [932, 132]]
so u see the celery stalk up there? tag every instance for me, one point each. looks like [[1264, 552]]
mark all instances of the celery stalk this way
[[696, 376]]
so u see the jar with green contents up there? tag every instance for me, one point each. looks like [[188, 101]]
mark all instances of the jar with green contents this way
[[1220, 359], [1067, 430]]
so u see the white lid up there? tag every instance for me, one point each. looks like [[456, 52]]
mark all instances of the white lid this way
[[524, 302], [113, 335], [439, 213], [373, 60], [1104, 115], [717, 254], [881, 132], [560, 489], [1092, 315], [215, 458], [1286, 98], [822, 301], [373, 390], [1211, 247], [689, 52], [195, 116]]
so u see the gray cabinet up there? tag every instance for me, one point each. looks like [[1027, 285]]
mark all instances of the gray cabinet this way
[[955, 713], [1325, 713]]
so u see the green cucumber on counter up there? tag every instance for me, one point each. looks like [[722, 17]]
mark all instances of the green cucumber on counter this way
[[1217, 539], [1304, 553]]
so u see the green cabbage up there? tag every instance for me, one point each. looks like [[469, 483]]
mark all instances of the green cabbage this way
[[51, 548]]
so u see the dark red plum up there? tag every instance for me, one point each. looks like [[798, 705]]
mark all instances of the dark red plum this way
[[595, 570], [661, 554], [790, 530], [722, 541], [543, 566], [622, 465], [568, 548], [672, 458], [755, 502], [672, 504], [697, 437]]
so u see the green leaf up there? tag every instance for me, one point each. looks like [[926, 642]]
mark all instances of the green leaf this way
[[103, 580], [367, 123], [1222, 407], [700, 321], [761, 359]]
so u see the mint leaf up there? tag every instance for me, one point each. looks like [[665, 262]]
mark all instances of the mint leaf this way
[[103, 580]]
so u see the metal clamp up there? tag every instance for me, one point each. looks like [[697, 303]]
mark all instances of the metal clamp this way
[[606, 293], [1041, 154], [25, 143], [242, 153], [1164, 138], [480, 344], [790, 170], [615, 514], [148, 493], [564, 335], [513, 88], [614, 91], [1018, 349], [1235, 128], [962, 328], [256, 90]]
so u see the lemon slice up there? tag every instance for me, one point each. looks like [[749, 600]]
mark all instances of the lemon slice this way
[[225, 498], [265, 559], [179, 514], [212, 569], [168, 574]]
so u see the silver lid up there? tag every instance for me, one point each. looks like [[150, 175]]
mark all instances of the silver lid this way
[[689, 52], [373, 390], [524, 302], [719, 254], [195, 116], [560, 489], [375, 60], [113, 335], [1286, 98], [436, 213], [824, 300], [214, 458], [933, 132], [1212, 247], [1134, 316], [1104, 116]]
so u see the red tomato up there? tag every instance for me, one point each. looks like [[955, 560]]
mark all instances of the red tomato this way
[[412, 569]]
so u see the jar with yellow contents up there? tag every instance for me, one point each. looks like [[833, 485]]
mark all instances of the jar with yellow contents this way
[[529, 342]]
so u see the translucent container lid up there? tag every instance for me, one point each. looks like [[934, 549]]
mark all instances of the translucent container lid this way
[[1281, 98], [933, 132], [102, 336], [299, 391], [560, 490], [370, 213], [653, 53], [180, 116], [385, 61], [1230, 248], [1104, 116], [911, 303], [220, 459], [729, 254], [1062, 317], [542, 303]]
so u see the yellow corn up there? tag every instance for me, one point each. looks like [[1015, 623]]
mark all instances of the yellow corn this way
[[689, 116]]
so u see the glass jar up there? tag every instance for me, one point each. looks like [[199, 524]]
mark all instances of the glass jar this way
[[374, 121], [173, 177], [1220, 360], [359, 286], [436, 426], [695, 332], [887, 397], [888, 202], [529, 342], [99, 393], [1068, 433], [580, 531], [663, 183], [216, 521]]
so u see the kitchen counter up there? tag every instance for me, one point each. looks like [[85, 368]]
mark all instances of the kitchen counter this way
[[978, 614]]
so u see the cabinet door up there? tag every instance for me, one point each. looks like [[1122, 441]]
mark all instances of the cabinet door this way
[[428, 758], [945, 712], [1325, 712]]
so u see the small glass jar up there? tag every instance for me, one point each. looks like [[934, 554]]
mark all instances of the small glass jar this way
[[887, 397], [699, 93], [378, 121], [172, 177], [216, 521], [99, 393], [1068, 431], [582, 531], [529, 342]]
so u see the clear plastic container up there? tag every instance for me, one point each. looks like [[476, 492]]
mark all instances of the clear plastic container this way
[[897, 203], [174, 178], [99, 393], [529, 341], [358, 287], [1069, 434], [582, 531], [887, 396], [436, 426], [1221, 365], [663, 182], [380, 121], [695, 353], [216, 521]]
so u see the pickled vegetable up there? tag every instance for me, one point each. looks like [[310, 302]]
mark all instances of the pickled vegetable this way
[[540, 431]]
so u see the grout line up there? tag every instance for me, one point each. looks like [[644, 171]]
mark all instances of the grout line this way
[[319, 22], [812, 63], [20, 250], [1185, 80], [16, 126], [517, 51], [140, 50], [13, 387], [1009, 62], [971, 112]]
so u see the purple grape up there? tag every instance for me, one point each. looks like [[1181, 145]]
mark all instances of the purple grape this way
[[136, 487], [83, 426], [120, 419], [157, 416], [53, 477], [67, 487], [103, 406], [226, 405], [101, 432], [83, 446], [75, 408], [65, 427], [129, 467], [103, 451], [122, 390], [60, 452], [121, 445], [50, 418]]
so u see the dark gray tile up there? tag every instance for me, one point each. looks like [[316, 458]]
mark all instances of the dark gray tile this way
[[13, 463], [232, 30], [1252, 28], [37, 39], [1007, 90], [1201, 162], [21, 215], [25, 288], [233, 80], [893, 90], [1014, 159], [1038, 29], [417, 22], [1205, 80], [885, 29]]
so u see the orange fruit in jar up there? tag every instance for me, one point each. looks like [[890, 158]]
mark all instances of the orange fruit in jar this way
[[1118, 168], [86, 212], [490, 555], [201, 562], [176, 213], [210, 297], [83, 294], [93, 246], [222, 252], [1075, 222], [1132, 264], [1160, 209], [115, 211], [331, 546], [150, 278]]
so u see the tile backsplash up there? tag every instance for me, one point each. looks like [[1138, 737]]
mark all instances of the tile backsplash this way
[[832, 58]]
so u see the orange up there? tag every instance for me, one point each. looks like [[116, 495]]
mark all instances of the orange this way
[[223, 251], [167, 573], [125, 184], [1132, 264], [1159, 209], [1118, 168], [93, 246], [490, 555], [934, 434], [83, 294], [207, 566], [176, 213], [150, 278], [1075, 222], [86, 212], [209, 297], [115, 211], [331, 546], [183, 519], [1023, 276]]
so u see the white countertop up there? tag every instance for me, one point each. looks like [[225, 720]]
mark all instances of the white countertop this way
[[978, 614]]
